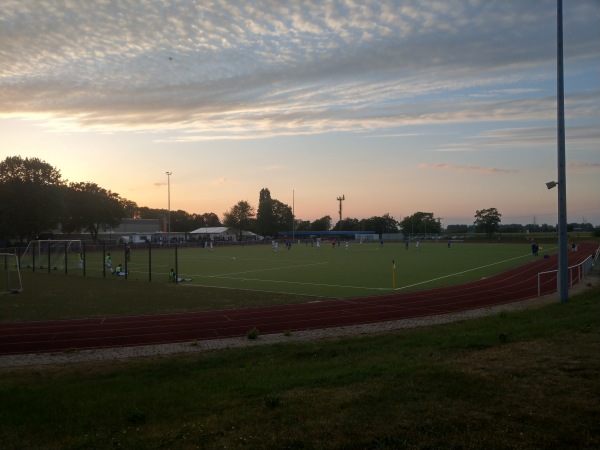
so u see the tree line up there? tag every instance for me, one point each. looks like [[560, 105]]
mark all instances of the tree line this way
[[34, 199]]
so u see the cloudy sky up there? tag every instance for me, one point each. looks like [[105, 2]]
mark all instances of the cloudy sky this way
[[401, 106]]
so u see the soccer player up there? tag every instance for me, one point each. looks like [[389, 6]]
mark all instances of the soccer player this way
[[108, 262], [119, 270], [173, 277]]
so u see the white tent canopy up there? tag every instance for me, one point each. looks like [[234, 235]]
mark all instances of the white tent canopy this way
[[222, 231], [213, 232]]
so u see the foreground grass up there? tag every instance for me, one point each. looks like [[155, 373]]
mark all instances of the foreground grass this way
[[515, 380]]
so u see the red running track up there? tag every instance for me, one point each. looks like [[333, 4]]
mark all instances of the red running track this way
[[511, 286]]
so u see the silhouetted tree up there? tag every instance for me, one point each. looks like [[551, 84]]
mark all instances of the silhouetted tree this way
[[239, 216], [92, 208], [31, 197], [487, 220]]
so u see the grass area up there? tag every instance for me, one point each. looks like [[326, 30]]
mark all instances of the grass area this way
[[235, 277], [362, 270], [54, 296], [527, 379]]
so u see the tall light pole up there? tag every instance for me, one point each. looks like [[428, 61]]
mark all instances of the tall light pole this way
[[341, 199], [169, 205], [293, 213], [563, 265]]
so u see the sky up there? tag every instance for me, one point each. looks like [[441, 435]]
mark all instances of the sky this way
[[446, 107]]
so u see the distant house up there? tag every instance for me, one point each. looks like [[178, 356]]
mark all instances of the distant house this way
[[135, 231], [129, 230]]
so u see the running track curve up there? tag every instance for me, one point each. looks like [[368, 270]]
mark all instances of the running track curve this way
[[514, 285]]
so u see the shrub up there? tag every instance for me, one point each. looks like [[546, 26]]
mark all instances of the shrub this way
[[253, 333]]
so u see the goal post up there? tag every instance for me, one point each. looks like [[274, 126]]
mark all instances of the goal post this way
[[10, 274], [53, 254]]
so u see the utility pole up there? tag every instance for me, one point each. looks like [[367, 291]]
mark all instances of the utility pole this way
[[341, 199]]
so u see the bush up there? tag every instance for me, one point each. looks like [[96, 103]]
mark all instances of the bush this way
[[253, 333], [597, 232]]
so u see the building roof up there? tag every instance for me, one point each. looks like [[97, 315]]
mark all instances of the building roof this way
[[228, 231], [212, 230]]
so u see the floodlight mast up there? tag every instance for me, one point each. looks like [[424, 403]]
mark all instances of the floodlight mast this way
[[341, 199], [563, 267], [169, 206]]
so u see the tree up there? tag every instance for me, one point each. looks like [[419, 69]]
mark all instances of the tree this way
[[31, 197], [380, 225], [322, 224], [210, 220], [302, 225], [130, 209], [92, 208], [272, 215], [239, 216], [457, 228], [264, 215], [32, 170], [487, 220], [347, 224], [420, 223], [282, 216]]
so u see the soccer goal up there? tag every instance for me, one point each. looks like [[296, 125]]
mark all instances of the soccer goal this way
[[10, 273], [53, 254]]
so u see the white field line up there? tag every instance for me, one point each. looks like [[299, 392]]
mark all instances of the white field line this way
[[460, 273], [305, 284], [230, 276]]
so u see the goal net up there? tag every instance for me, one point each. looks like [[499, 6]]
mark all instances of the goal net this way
[[53, 254], [10, 274]]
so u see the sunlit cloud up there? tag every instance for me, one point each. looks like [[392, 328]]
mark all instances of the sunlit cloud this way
[[222, 181], [223, 71], [468, 168], [583, 165], [358, 92]]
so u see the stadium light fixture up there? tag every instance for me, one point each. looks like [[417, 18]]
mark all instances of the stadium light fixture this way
[[551, 184]]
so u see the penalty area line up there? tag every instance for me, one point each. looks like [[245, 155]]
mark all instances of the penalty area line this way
[[301, 283], [459, 273], [228, 274]]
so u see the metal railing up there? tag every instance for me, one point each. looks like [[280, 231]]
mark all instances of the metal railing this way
[[576, 272]]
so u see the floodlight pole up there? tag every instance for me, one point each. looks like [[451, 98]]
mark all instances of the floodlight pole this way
[[293, 213], [563, 267], [341, 199], [169, 206]]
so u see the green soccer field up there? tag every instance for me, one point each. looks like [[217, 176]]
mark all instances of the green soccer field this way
[[360, 270]]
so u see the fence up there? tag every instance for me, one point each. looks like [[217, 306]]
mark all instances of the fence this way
[[151, 260], [576, 273]]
